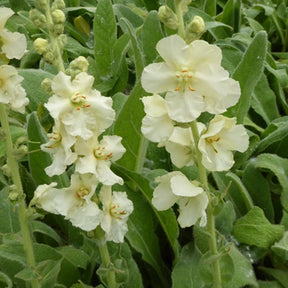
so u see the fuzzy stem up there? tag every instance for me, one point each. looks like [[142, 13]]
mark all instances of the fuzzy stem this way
[[105, 257], [22, 208], [53, 40], [179, 13], [210, 217]]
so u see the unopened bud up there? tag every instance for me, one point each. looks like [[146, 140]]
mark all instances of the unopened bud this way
[[57, 29], [58, 16], [41, 45], [6, 170], [168, 17], [184, 5], [21, 151], [49, 56], [46, 85], [38, 18], [58, 4], [42, 4], [13, 193], [194, 29], [80, 64], [62, 41]]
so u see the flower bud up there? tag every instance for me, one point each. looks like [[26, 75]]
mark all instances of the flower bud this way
[[13, 193], [58, 16], [21, 151], [38, 18], [6, 170], [41, 45], [194, 29], [42, 4], [62, 41], [184, 5], [80, 64], [168, 17], [46, 85], [57, 28], [58, 4], [49, 56]]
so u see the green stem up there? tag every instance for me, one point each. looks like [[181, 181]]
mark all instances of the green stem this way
[[105, 257], [22, 209], [53, 40], [179, 13], [210, 217]]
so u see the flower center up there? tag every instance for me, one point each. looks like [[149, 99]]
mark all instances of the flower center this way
[[55, 139], [79, 101], [184, 78], [82, 192], [212, 140], [116, 211], [101, 153]]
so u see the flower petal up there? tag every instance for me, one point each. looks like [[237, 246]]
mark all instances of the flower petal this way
[[181, 186]]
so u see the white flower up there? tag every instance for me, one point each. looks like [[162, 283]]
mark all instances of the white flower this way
[[95, 157], [59, 145], [13, 44], [217, 143], [173, 188], [193, 77], [116, 208], [11, 91], [181, 146], [156, 125], [73, 202], [83, 110]]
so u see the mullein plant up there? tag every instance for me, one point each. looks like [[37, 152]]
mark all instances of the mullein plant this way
[[188, 82], [13, 98], [81, 116]]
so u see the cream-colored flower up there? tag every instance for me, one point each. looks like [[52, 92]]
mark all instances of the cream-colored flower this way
[[73, 202], [83, 110], [13, 45], [116, 209], [173, 188], [156, 124], [60, 146], [221, 138], [11, 91], [95, 157], [193, 77]]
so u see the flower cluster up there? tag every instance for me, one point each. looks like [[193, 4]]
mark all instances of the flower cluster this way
[[12, 45], [81, 114], [192, 81]]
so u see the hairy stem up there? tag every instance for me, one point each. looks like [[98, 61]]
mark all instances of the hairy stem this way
[[179, 13], [22, 208], [210, 217]]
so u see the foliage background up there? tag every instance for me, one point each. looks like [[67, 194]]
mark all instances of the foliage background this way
[[119, 39]]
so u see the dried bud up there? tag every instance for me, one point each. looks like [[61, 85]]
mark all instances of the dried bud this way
[[58, 16], [41, 45], [38, 18], [168, 17]]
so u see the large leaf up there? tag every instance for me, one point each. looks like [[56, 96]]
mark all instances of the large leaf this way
[[105, 35], [231, 14], [248, 73], [255, 229], [128, 126]]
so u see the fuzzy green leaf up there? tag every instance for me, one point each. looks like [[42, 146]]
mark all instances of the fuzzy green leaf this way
[[255, 229]]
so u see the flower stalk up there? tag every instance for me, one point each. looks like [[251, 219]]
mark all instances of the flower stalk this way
[[210, 217], [22, 208]]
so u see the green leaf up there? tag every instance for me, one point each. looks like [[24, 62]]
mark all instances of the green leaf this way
[[185, 273], [280, 275], [76, 257], [281, 248], [264, 101], [6, 279], [248, 73], [105, 36], [8, 214], [269, 284], [32, 85], [128, 126], [274, 133], [151, 33], [39, 160], [279, 166], [255, 229], [41, 227], [231, 14], [138, 59], [254, 181], [224, 221]]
